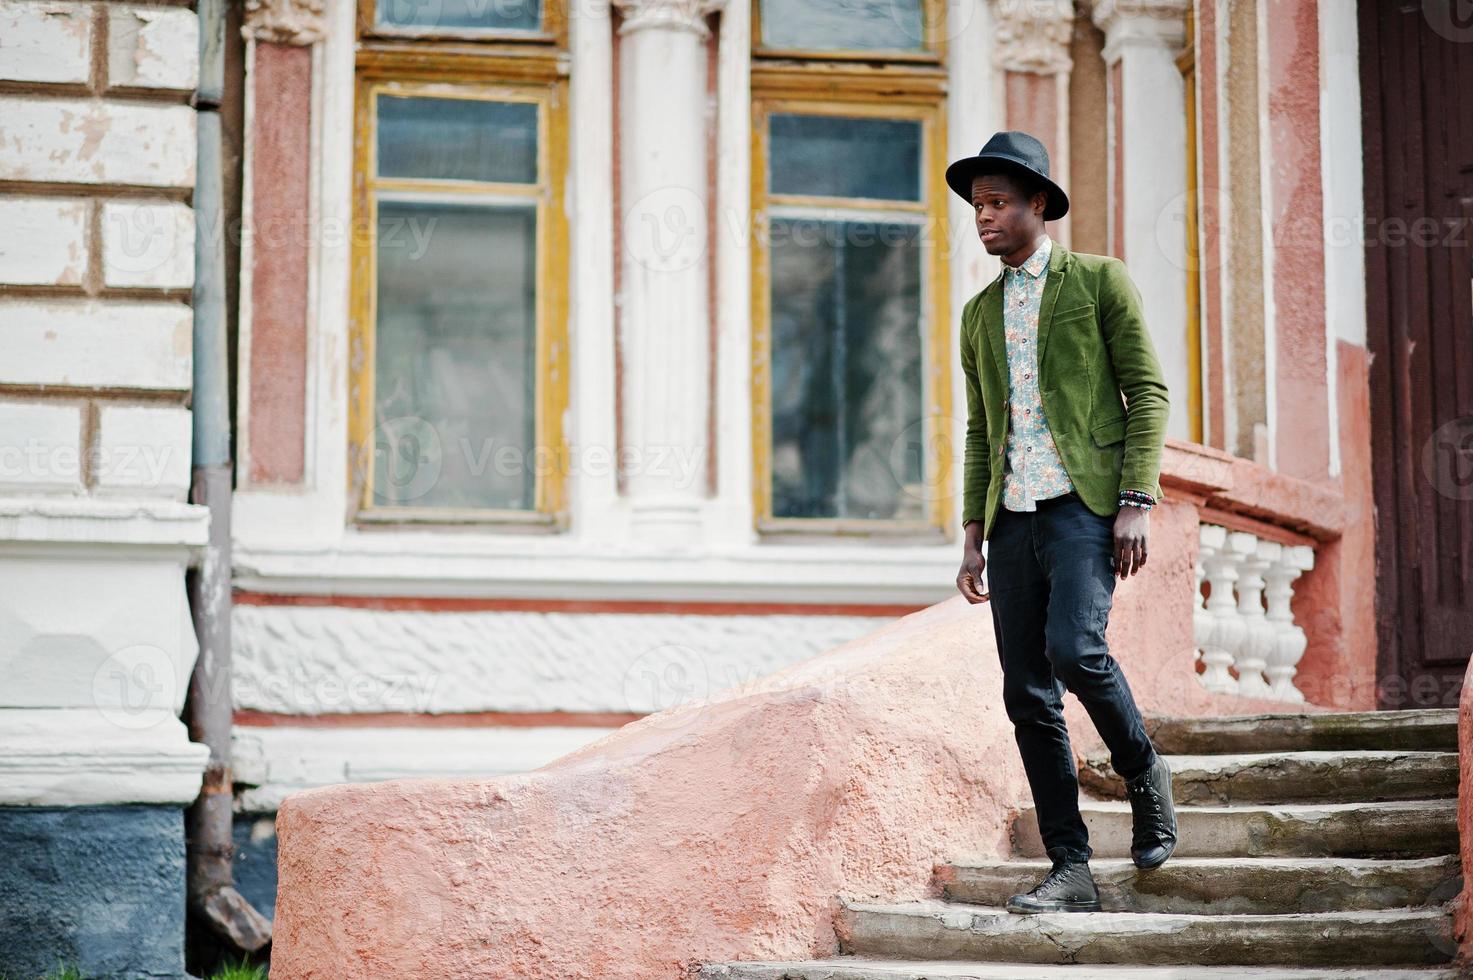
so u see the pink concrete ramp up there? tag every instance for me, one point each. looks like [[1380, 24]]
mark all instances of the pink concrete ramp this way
[[717, 831], [1463, 904]]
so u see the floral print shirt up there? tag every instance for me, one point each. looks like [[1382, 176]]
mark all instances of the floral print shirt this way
[[1034, 469]]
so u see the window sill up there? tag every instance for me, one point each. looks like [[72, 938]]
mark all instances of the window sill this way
[[839, 531], [469, 565], [479, 521]]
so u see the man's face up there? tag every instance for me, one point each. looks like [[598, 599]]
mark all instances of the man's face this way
[[1007, 220]]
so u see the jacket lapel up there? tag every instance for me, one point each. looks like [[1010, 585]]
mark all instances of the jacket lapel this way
[[996, 339], [1058, 268]]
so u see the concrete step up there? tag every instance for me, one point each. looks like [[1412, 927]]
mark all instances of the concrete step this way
[[1296, 777], [864, 968], [1421, 828], [1426, 730], [1227, 885], [939, 930]]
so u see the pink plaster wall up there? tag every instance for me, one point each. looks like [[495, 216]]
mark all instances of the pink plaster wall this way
[[710, 832], [1033, 106], [1336, 602], [1463, 904], [280, 177], [1300, 385]]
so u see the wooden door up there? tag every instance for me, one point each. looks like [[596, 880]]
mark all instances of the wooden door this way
[[1417, 96]]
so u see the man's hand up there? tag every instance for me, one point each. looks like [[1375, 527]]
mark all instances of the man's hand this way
[[969, 579], [1131, 530]]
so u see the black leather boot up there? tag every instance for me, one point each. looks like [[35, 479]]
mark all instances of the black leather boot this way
[[1068, 887], [1153, 816]]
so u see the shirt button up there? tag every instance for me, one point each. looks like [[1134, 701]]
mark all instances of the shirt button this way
[[1026, 376]]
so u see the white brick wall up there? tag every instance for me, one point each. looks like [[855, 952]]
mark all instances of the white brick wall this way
[[45, 42], [96, 251], [83, 141], [40, 447], [143, 450], [44, 242], [147, 244], [96, 344], [152, 47]]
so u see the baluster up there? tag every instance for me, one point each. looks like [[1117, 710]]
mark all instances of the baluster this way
[[1220, 557], [1202, 619], [1259, 633], [1289, 639]]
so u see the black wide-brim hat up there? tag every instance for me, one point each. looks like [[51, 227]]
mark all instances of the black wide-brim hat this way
[[1014, 152]]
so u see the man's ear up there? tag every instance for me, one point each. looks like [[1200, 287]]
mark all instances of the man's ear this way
[[1039, 202]]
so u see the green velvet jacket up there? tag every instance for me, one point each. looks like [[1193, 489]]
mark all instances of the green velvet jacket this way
[[1093, 348]]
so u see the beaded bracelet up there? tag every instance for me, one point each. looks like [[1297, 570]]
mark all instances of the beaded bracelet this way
[[1137, 498]]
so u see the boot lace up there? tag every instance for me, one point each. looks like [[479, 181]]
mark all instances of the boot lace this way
[[1147, 802], [1057, 878]]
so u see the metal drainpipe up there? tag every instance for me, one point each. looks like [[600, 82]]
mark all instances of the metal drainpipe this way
[[212, 893]]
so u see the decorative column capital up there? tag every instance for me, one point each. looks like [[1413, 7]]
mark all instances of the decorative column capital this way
[[1153, 23], [285, 21], [670, 15], [1034, 35]]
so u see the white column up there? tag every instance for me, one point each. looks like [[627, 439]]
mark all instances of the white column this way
[[1289, 639], [664, 318], [96, 534], [1144, 37]]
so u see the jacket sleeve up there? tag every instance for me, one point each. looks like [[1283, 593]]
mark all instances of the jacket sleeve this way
[[977, 457], [1138, 372]]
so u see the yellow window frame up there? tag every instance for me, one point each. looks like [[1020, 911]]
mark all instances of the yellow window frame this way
[[538, 78], [853, 93], [554, 28], [933, 50]]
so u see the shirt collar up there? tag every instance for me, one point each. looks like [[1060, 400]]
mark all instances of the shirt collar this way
[[1037, 263]]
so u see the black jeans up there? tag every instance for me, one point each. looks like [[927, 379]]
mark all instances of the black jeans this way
[[1052, 581]]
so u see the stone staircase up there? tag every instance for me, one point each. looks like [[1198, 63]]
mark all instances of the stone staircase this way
[[1311, 846]]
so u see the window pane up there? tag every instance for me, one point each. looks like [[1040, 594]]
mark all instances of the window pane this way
[[457, 139], [838, 156], [455, 356], [494, 15], [843, 25], [846, 369]]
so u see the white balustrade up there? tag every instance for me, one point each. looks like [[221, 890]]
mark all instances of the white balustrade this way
[[1246, 637]]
